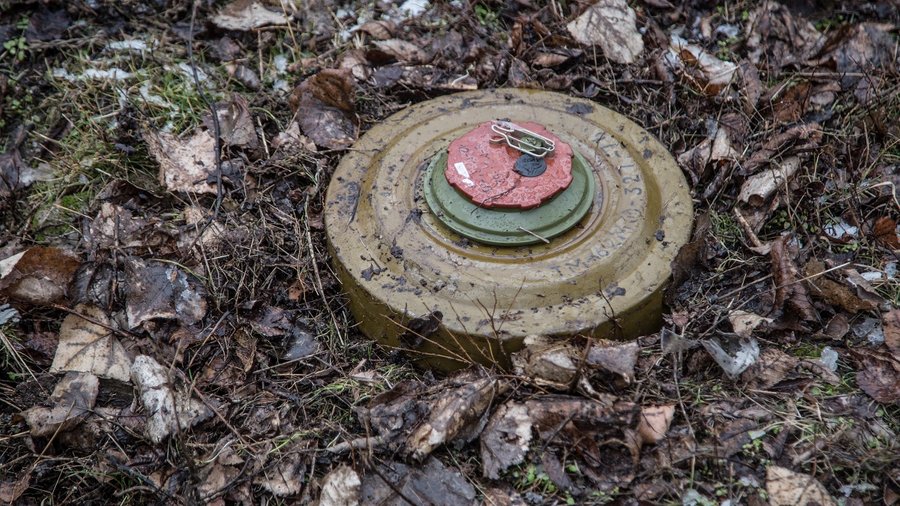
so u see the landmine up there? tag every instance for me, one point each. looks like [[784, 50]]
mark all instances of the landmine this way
[[461, 225]]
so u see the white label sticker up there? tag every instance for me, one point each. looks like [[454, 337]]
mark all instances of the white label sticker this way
[[462, 171]]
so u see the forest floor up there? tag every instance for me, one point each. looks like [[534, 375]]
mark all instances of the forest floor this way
[[172, 331]]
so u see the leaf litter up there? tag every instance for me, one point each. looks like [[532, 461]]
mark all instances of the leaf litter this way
[[774, 374]]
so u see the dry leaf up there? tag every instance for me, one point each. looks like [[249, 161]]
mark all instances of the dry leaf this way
[[429, 483], [772, 367], [185, 165], [556, 365], [546, 363], [744, 323], [776, 38], [71, 402], [885, 231], [833, 292], [246, 15], [708, 73], [570, 422], [788, 102], [505, 439], [115, 227], [790, 293], [801, 137], [85, 346], [235, 123], [544, 59], [214, 478], [38, 275], [717, 150], [286, 479], [340, 487], [787, 488], [378, 29], [161, 290], [291, 137], [168, 411], [325, 108], [610, 24], [617, 358], [11, 490], [357, 63], [456, 411], [757, 189], [878, 374], [655, 422], [890, 322], [403, 51]]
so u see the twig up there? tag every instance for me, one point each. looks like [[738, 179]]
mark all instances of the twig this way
[[356, 444], [217, 131], [319, 287], [747, 229]]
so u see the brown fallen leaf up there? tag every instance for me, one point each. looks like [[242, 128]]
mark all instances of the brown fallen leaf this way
[[70, 403], [325, 105], [85, 346], [546, 59], [186, 164], [796, 138], [743, 323], [878, 374], [246, 15], [885, 232], [654, 422], [777, 38], [429, 483], [458, 413], [161, 290], [704, 70], [236, 126], [890, 322], [39, 275], [340, 487], [610, 24], [856, 48], [292, 138], [378, 29], [426, 77], [788, 488], [11, 490], [617, 358], [757, 189], [169, 410], [787, 102], [548, 364], [115, 227], [505, 439], [357, 63], [716, 151], [771, 368], [286, 477], [403, 51], [394, 414], [833, 292], [790, 294], [502, 496], [15, 174], [562, 420]]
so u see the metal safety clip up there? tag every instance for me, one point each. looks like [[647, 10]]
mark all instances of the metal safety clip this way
[[522, 139]]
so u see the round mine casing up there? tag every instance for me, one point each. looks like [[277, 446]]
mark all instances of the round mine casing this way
[[415, 284]]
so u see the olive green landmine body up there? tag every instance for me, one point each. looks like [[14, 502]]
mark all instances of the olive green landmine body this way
[[398, 263]]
